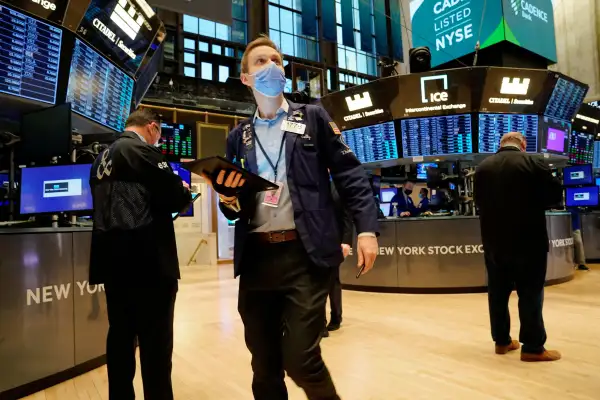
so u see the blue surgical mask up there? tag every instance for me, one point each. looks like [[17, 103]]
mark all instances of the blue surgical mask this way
[[269, 81]]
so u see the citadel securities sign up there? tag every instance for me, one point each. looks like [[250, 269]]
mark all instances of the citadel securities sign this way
[[530, 24], [450, 28]]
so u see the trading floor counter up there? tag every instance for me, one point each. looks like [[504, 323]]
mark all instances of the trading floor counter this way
[[52, 323], [445, 255]]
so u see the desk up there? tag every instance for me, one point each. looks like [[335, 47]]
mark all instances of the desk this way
[[445, 255], [53, 324]]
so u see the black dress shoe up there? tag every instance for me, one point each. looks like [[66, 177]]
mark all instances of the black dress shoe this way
[[333, 326], [325, 333], [582, 267]]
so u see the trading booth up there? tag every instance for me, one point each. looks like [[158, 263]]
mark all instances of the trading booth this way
[[70, 73], [436, 127]]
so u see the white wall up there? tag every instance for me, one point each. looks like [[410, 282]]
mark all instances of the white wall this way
[[577, 27]]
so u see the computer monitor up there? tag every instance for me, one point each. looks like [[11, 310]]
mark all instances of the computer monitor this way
[[187, 177], [387, 194], [578, 175], [598, 181], [555, 136], [45, 134], [422, 170], [385, 208], [177, 141], [581, 196], [55, 189], [373, 143]]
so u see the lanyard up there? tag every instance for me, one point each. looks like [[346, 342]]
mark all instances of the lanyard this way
[[274, 166]]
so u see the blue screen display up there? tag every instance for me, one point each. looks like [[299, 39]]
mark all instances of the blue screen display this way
[[566, 98], [596, 155], [387, 194], [190, 211], [422, 169], [436, 136], [61, 188], [493, 126], [578, 175], [373, 143], [385, 208], [3, 178], [187, 177], [582, 197], [597, 181]]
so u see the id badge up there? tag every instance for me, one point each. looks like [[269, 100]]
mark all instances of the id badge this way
[[272, 196]]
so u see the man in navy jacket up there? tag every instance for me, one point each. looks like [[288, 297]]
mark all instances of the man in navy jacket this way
[[287, 242]]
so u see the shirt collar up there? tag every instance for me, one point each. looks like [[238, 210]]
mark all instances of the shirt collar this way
[[283, 109], [141, 137]]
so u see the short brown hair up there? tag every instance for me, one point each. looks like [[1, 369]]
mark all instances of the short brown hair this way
[[513, 138], [142, 117], [262, 40]]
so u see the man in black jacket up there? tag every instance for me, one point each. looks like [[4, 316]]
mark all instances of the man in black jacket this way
[[344, 220], [512, 192], [134, 255]]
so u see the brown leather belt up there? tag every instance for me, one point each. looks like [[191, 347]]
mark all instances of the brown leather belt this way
[[275, 237]]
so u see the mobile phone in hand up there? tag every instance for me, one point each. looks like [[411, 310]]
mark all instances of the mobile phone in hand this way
[[362, 268]]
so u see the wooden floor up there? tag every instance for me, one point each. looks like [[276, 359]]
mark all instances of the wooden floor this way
[[390, 347]]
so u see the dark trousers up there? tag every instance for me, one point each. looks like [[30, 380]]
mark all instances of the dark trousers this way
[[335, 297], [527, 274], [143, 312], [282, 304]]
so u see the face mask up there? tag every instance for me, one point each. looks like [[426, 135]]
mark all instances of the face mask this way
[[269, 81], [408, 191], [420, 196]]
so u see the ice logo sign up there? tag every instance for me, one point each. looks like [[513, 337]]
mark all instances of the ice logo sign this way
[[434, 97], [515, 86], [358, 103], [126, 17]]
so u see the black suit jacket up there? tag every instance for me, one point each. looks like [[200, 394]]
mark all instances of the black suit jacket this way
[[343, 218], [512, 192]]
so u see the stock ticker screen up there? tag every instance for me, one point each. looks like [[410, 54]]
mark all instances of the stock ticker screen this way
[[596, 162], [493, 126], [98, 89], [373, 143], [177, 141], [581, 148], [566, 98], [433, 136], [29, 56]]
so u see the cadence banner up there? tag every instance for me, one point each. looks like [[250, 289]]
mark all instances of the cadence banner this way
[[530, 24], [450, 28]]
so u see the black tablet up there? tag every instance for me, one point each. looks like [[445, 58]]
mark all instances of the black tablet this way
[[195, 196], [210, 165]]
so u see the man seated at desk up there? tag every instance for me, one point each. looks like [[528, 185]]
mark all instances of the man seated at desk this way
[[405, 207]]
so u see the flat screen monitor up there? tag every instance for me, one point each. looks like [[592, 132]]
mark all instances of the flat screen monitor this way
[[98, 89], [55, 189], [45, 134], [581, 196], [435, 136], [578, 175], [422, 170], [385, 208], [596, 162], [190, 211], [373, 143], [565, 100], [123, 30], [581, 148], [598, 181], [177, 141], [187, 177], [387, 194], [493, 126], [29, 56], [555, 136]]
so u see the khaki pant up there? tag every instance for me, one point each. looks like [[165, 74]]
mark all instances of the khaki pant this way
[[578, 250]]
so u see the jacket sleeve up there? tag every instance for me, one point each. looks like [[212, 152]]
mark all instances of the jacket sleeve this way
[[550, 187], [166, 187], [345, 217], [348, 175], [246, 200]]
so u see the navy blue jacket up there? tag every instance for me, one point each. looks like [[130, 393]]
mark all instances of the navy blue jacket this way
[[308, 157], [402, 205]]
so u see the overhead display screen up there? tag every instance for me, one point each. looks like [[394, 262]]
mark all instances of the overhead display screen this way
[[581, 148], [493, 126], [29, 56], [596, 162], [451, 29], [555, 136], [511, 90], [51, 10], [373, 143], [121, 29], [530, 24], [98, 89], [436, 136], [565, 100], [441, 93], [177, 141]]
